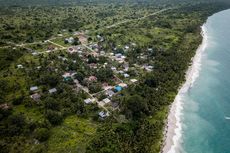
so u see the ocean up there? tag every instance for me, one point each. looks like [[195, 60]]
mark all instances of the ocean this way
[[202, 106]]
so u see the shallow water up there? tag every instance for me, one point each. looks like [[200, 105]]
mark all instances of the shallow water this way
[[206, 105]]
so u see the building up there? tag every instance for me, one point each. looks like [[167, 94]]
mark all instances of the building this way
[[103, 114], [126, 47], [121, 72], [36, 97], [126, 75], [88, 101], [53, 90], [5, 106], [118, 88], [92, 78], [113, 68], [34, 88], [70, 40], [123, 85], [119, 55], [102, 53], [133, 80], [19, 66], [110, 93], [106, 100]]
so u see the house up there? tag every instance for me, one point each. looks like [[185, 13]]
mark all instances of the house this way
[[110, 93], [103, 114], [118, 55], [148, 68], [123, 85], [5, 106], [123, 57], [93, 65], [50, 47], [118, 88], [53, 90], [115, 104], [88, 101], [39, 67], [36, 97], [133, 80], [106, 100], [19, 66], [133, 44], [66, 76], [113, 68], [34, 88], [35, 53], [71, 40], [150, 49], [126, 47], [70, 49], [121, 72], [92, 78], [102, 53], [126, 75]]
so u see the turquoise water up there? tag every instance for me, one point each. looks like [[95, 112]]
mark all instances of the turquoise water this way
[[206, 106]]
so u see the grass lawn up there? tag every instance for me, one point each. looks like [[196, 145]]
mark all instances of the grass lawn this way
[[41, 47], [61, 42]]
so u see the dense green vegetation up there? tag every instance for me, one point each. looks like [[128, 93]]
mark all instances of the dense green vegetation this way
[[61, 121]]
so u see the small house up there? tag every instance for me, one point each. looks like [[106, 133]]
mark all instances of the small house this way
[[53, 90], [110, 93], [106, 100], [71, 40], [35, 53], [50, 47], [5, 106], [103, 114], [123, 85], [118, 88], [133, 80], [34, 88], [113, 68], [36, 97], [126, 47], [92, 78], [88, 101], [121, 72], [102, 53], [126, 75], [118, 55], [19, 66]]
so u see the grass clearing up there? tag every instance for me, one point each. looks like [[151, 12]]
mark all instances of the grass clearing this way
[[72, 136]]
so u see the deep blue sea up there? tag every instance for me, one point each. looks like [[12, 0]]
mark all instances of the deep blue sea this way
[[206, 104]]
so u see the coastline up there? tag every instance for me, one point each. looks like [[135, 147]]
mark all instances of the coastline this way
[[173, 128]]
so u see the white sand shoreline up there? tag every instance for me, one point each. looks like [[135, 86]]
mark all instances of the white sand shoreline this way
[[173, 128]]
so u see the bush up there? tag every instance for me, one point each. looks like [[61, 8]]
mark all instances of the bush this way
[[54, 117], [41, 134]]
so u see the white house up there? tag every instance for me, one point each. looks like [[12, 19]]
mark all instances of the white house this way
[[19, 66], [126, 75], [106, 100], [53, 90], [34, 88]]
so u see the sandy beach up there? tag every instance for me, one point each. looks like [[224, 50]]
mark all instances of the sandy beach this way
[[173, 129]]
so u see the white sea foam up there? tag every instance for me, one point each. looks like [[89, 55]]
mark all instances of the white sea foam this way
[[174, 130]]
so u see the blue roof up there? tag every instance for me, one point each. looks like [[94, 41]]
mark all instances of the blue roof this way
[[118, 88]]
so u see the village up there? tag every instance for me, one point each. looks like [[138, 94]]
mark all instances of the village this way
[[109, 72]]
